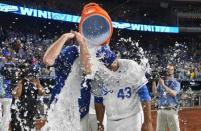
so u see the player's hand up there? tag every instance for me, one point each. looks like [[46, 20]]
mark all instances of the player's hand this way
[[100, 127], [69, 36], [80, 39], [147, 126]]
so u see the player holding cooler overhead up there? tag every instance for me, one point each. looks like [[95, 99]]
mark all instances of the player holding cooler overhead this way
[[66, 58], [63, 66], [123, 91]]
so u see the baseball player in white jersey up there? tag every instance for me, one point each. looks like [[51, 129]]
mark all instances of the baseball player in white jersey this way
[[123, 90]]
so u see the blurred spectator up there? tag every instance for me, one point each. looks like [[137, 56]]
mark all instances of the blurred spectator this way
[[2, 91], [192, 73], [198, 75], [199, 68]]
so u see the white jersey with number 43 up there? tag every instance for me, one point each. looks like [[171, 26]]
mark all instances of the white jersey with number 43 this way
[[119, 93]]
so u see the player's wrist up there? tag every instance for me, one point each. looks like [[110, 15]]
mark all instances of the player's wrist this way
[[99, 122], [100, 127]]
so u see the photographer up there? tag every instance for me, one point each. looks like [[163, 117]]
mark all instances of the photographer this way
[[166, 90], [24, 105]]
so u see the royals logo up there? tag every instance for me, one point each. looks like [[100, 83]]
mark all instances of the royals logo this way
[[105, 90]]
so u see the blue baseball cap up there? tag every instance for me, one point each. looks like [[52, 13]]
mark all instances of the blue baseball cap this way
[[106, 55]]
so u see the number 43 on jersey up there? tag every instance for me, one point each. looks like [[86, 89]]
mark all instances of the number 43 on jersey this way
[[124, 93]]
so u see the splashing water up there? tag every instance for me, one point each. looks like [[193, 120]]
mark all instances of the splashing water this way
[[176, 54], [134, 52], [140, 69], [64, 115]]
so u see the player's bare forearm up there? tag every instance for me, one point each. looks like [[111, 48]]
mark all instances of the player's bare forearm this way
[[85, 58], [84, 53], [54, 50], [147, 126], [100, 110]]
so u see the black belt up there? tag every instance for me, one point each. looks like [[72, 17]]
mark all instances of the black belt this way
[[167, 108]]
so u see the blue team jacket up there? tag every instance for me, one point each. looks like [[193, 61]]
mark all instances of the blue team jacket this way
[[63, 65]]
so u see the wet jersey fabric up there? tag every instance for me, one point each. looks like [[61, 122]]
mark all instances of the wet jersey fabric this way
[[63, 66], [121, 88]]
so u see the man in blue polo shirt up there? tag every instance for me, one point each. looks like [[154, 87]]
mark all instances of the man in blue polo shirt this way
[[167, 90]]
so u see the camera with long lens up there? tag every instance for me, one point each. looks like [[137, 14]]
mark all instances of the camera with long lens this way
[[155, 75]]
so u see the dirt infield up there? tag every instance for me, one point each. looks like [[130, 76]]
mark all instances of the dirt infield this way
[[190, 119]]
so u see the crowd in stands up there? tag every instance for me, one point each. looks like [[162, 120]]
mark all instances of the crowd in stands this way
[[17, 47], [187, 62]]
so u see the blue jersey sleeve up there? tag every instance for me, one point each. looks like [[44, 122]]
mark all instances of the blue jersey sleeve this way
[[63, 66], [98, 100], [143, 93]]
